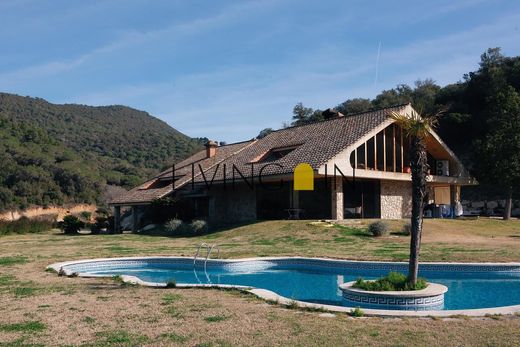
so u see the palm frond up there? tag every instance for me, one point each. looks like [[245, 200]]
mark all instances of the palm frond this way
[[415, 125]]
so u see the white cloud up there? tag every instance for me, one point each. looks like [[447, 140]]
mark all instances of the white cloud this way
[[235, 103], [129, 38]]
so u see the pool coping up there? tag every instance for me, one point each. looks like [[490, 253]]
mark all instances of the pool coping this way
[[269, 295]]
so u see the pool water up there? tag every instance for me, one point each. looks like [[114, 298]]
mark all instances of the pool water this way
[[466, 289]]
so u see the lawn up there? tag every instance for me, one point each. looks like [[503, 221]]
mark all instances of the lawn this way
[[40, 308]]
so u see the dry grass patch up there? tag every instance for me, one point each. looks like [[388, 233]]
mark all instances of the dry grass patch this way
[[103, 312]]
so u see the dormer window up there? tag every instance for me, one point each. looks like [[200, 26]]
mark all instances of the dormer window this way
[[275, 154]]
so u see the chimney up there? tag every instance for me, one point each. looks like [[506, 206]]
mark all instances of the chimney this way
[[211, 148], [331, 113]]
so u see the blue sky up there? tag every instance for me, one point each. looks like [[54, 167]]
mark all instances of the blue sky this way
[[227, 69]]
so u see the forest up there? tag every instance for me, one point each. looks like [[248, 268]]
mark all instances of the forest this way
[[55, 154]]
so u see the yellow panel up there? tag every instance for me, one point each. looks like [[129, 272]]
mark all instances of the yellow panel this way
[[442, 196], [303, 177]]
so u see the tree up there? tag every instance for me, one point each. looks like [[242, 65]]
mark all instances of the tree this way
[[353, 106], [417, 129], [424, 95], [71, 224], [305, 115], [499, 150], [401, 94], [301, 114], [264, 133], [491, 99]]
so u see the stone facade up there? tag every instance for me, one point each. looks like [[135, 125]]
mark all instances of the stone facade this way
[[396, 199], [337, 198], [232, 205]]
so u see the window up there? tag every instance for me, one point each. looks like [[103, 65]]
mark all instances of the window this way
[[371, 154], [276, 153], [385, 151], [160, 183]]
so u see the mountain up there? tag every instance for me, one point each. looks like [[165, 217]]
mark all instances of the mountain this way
[[54, 154]]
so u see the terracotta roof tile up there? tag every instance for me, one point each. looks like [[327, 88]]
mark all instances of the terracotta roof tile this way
[[315, 143]]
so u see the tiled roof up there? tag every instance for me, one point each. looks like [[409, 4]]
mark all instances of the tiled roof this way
[[315, 143], [143, 194]]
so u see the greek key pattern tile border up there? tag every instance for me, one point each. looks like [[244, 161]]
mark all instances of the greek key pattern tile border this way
[[370, 299]]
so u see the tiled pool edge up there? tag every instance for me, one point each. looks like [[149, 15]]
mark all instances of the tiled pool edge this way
[[272, 296], [428, 299]]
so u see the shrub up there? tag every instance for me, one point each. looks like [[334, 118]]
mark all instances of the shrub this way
[[357, 312], [198, 226], [101, 223], [86, 215], [171, 284], [378, 228], [173, 225], [394, 281], [25, 225], [71, 224], [103, 211], [407, 229]]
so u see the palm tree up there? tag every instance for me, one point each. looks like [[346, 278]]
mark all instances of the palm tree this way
[[416, 128]]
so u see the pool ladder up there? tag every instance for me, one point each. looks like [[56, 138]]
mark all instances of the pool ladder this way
[[209, 249]]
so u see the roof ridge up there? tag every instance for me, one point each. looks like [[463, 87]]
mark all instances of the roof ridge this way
[[236, 143], [343, 117]]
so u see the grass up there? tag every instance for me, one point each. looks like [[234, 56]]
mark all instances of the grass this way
[[13, 260], [173, 337], [120, 338], [173, 312], [214, 319], [23, 292], [32, 326], [101, 312], [357, 312], [6, 280], [168, 299]]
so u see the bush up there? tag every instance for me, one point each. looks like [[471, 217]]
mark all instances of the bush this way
[[407, 229], [86, 216], [198, 226], [173, 225], [71, 224], [25, 225], [101, 223], [394, 281], [357, 312], [378, 228], [103, 211]]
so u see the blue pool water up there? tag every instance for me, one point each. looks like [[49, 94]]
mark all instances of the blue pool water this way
[[312, 281]]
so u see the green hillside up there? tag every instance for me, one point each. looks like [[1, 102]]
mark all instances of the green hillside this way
[[53, 154]]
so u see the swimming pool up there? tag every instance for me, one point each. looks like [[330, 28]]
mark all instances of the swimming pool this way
[[470, 286]]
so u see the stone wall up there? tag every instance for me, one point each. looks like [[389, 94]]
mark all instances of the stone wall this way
[[231, 206], [337, 199], [396, 199]]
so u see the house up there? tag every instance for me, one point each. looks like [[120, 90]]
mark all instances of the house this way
[[358, 167]]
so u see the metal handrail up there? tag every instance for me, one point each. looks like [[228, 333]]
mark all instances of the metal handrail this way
[[209, 249], [205, 245], [209, 254]]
